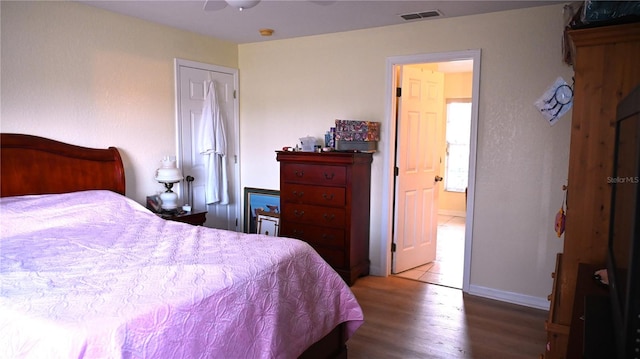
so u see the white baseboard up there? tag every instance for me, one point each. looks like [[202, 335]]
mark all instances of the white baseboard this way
[[510, 297], [376, 271], [490, 293], [449, 212]]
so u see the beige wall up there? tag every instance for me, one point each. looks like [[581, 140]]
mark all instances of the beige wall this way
[[298, 87], [86, 76], [94, 78]]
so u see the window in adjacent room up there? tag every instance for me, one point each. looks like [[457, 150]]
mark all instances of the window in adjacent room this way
[[458, 133]]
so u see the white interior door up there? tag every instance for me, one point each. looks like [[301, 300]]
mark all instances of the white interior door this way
[[420, 110], [192, 81]]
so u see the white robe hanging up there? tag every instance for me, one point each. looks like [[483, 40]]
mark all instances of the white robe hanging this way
[[212, 144]]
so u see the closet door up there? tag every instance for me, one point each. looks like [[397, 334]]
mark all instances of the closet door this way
[[192, 83]]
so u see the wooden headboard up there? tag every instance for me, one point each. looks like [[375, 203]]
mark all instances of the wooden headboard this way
[[36, 165]]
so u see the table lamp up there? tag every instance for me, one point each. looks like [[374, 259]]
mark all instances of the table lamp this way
[[168, 174]]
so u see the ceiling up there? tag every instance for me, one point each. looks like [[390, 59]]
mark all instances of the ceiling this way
[[295, 18]]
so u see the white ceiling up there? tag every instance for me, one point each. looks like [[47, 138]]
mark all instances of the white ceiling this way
[[294, 18]]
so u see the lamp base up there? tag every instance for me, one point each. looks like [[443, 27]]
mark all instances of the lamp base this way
[[169, 200]]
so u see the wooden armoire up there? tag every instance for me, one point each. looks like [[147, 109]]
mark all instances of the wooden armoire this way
[[607, 67]]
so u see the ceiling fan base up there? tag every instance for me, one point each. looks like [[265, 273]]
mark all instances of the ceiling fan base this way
[[215, 5], [242, 4]]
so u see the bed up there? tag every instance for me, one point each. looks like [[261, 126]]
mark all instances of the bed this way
[[86, 272]]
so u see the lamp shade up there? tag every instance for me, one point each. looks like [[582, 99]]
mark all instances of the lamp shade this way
[[168, 173]]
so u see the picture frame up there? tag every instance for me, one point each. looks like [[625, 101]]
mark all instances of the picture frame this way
[[267, 223], [154, 203], [265, 200]]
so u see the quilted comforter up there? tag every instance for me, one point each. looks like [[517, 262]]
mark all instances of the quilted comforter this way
[[95, 275]]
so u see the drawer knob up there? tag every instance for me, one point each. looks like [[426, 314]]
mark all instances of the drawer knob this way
[[328, 197], [298, 213], [298, 194], [299, 173], [298, 232], [328, 217], [327, 236], [329, 176]]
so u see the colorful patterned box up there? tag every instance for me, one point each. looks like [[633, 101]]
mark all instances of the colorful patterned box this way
[[357, 135], [350, 130]]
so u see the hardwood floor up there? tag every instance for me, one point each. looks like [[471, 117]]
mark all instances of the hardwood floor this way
[[406, 319]]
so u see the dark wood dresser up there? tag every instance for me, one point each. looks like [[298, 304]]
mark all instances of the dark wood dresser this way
[[325, 201]]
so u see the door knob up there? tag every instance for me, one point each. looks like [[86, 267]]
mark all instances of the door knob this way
[[438, 179]]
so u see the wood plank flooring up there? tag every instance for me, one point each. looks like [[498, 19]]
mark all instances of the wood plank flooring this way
[[408, 319]]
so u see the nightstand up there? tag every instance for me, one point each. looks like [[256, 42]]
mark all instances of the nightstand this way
[[195, 218]]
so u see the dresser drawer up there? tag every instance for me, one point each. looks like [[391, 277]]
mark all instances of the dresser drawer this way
[[317, 215], [315, 235], [325, 196], [313, 174]]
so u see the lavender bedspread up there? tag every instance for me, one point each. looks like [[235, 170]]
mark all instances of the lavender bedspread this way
[[95, 275]]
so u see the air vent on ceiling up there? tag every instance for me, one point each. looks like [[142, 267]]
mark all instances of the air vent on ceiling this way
[[421, 15]]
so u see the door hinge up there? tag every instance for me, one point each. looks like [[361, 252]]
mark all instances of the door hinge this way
[[234, 94], [235, 159], [398, 91], [393, 247], [396, 170], [236, 223]]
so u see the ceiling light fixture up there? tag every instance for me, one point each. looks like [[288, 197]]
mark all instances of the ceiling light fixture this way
[[266, 32], [242, 4]]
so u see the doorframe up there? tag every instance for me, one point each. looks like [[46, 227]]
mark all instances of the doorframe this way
[[236, 121], [389, 154]]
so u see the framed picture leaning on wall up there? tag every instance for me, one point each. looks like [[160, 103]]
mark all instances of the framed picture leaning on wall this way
[[268, 203], [267, 223]]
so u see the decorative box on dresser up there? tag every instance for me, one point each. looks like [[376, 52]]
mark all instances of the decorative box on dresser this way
[[606, 65], [325, 201]]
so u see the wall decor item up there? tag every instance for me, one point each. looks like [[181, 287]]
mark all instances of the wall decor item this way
[[555, 101], [267, 202], [267, 223], [154, 203]]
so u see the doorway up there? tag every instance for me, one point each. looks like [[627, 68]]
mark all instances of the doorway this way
[[446, 268], [192, 84], [451, 222]]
